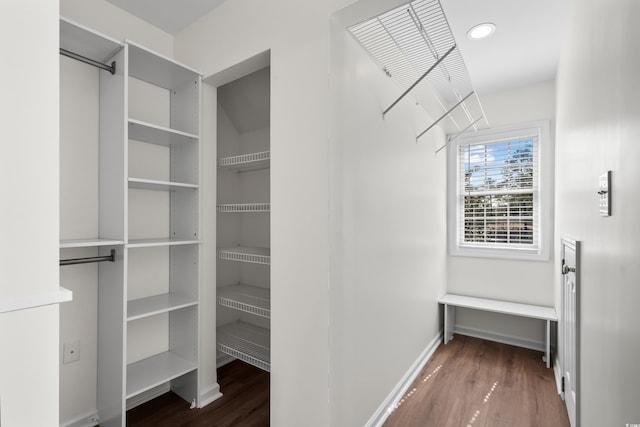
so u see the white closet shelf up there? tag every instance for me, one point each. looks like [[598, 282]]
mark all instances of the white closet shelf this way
[[247, 298], [246, 254], [150, 306], [86, 42], [246, 162], [37, 300], [152, 184], [88, 243], [246, 342], [157, 69], [154, 371], [244, 207], [159, 135], [148, 243]]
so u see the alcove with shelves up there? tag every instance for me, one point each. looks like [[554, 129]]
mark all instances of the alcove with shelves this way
[[130, 182], [243, 220]]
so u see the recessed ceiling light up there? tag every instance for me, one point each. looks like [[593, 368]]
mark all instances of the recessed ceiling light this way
[[481, 31]]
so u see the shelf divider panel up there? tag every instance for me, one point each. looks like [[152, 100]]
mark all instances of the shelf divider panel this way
[[150, 306], [148, 243], [152, 184]]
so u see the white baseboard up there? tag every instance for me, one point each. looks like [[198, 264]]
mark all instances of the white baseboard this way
[[209, 395], [383, 411], [501, 338], [224, 359], [86, 420], [92, 419], [557, 373]]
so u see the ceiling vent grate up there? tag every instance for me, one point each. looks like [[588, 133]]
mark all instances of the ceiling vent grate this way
[[407, 42]]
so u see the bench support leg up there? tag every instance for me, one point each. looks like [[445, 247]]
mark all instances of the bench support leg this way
[[547, 350], [449, 321]]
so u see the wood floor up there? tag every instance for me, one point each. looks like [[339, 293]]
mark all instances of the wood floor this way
[[477, 383], [468, 382], [245, 402]]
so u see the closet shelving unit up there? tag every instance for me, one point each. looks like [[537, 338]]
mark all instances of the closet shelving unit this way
[[171, 309], [242, 340], [243, 330], [179, 363]]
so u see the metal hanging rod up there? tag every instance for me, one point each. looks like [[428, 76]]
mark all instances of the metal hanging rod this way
[[72, 261], [450, 140], [419, 79], [444, 115], [110, 68]]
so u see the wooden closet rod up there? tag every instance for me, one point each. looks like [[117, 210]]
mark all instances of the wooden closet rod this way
[[110, 68], [110, 258]]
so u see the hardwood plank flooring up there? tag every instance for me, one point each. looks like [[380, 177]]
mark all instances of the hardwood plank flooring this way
[[468, 382], [478, 383], [245, 402]]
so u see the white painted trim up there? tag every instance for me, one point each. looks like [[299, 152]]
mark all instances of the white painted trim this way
[[32, 301], [501, 338], [384, 410], [210, 395], [86, 420], [557, 373], [224, 359], [545, 189], [141, 398]]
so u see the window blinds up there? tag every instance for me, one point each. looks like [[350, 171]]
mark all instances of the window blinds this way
[[498, 188]]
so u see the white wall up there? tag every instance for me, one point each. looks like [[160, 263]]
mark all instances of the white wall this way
[[528, 282], [598, 130], [388, 233], [297, 35], [29, 172]]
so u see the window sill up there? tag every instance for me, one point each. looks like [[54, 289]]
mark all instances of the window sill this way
[[506, 254]]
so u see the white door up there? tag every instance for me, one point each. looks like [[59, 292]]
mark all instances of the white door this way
[[569, 326]]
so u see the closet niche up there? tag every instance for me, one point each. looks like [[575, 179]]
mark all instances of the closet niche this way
[[243, 230]]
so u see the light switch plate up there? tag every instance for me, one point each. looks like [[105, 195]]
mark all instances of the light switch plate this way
[[604, 191]]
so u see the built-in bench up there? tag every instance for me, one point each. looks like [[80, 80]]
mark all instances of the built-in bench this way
[[451, 301]]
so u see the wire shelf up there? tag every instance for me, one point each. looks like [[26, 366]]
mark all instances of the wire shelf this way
[[246, 298], [244, 207], [246, 254], [246, 162], [249, 343], [407, 41]]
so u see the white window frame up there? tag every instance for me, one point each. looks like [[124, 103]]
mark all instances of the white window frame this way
[[542, 203]]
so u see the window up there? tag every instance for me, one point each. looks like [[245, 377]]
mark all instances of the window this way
[[499, 193]]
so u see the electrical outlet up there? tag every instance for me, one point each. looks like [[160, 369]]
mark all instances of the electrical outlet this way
[[71, 352]]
